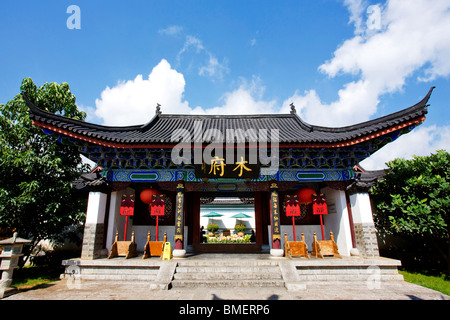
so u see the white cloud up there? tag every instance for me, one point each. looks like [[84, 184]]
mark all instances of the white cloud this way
[[421, 142], [247, 99], [356, 9], [134, 101], [171, 30], [212, 68], [356, 103], [413, 38]]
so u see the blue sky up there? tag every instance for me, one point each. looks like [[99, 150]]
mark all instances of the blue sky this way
[[339, 61]]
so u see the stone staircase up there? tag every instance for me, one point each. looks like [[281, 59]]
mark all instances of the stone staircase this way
[[230, 271], [354, 270], [155, 273], [310, 274], [227, 273], [118, 273]]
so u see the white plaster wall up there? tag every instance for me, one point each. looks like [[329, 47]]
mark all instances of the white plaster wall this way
[[337, 220], [95, 212], [116, 222], [361, 208]]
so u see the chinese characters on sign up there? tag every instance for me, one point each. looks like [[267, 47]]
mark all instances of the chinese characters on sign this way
[[157, 205], [275, 214], [320, 208], [219, 168], [319, 204], [127, 205], [179, 222], [292, 210], [126, 209], [292, 206]]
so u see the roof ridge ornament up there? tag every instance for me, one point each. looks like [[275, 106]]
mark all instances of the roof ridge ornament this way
[[158, 109], [293, 111]]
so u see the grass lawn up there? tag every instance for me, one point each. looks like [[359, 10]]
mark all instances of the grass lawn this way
[[439, 283], [27, 278]]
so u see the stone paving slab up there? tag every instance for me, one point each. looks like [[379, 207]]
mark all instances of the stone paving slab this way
[[122, 290]]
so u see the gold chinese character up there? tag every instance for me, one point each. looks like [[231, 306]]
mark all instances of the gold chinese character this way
[[241, 165], [219, 164]]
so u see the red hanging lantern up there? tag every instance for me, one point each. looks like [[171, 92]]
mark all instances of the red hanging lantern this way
[[146, 195], [305, 195]]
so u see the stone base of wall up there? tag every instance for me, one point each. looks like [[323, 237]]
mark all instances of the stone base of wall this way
[[92, 241], [366, 240]]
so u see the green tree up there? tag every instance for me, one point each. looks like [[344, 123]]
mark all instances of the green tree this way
[[413, 203], [37, 198]]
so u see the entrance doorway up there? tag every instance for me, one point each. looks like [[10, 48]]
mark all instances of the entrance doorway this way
[[228, 224]]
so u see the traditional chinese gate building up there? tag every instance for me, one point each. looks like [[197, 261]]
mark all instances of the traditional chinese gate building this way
[[139, 157]]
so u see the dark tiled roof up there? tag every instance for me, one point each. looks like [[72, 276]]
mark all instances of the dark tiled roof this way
[[293, 130], [90, 180]]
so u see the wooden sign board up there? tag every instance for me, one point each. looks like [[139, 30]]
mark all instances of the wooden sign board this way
[[218, 167], [157, 205], [167, 252], [319, 204], [127, 205], [292, 206]]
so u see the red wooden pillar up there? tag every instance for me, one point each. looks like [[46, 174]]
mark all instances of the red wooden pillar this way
[[350, 218]]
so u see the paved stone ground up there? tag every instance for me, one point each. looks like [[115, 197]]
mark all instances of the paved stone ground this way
[[117, 290]]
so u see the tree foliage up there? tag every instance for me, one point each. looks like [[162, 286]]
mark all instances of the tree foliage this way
[[37, 198], [413, 201]]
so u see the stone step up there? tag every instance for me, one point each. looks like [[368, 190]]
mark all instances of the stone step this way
[[227, 276], [224, 269], [227, 283], [226, 263], [119, 270], [348, 277], [348, 273], [227, 273], [118, 277], [347, 270]]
